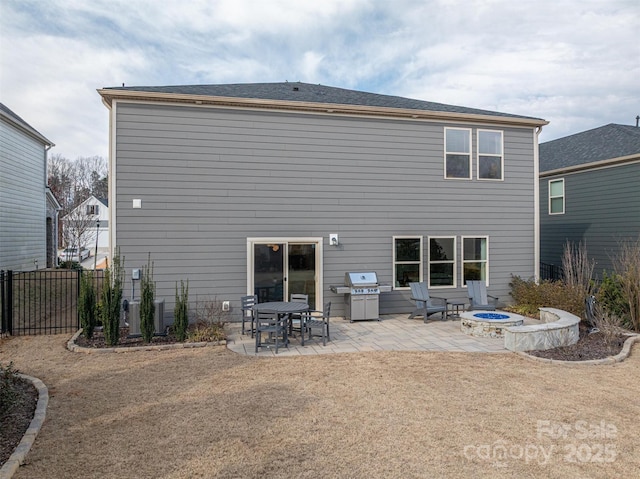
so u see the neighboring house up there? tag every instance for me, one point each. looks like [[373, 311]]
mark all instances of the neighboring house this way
[[590, 193], [28, 210], [86, 223], [238, 188]]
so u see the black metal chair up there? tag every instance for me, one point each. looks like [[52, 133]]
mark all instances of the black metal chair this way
[[275, 326], [247, 307], [295, 319], [317, 320]]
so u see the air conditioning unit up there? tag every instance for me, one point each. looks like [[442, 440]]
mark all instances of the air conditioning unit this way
[[134, 318]]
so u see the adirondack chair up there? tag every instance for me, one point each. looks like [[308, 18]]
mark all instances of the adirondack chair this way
[[426, 305], [478, 297]]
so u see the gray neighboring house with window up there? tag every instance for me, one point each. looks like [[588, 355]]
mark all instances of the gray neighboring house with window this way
[[28, 209], [238, 188], [590, 193]]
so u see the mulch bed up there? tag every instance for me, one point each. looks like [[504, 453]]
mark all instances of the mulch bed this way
[[15, 421], [98, 341], [589, 346]]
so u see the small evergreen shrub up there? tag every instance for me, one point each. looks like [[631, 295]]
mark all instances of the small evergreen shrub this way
[[87, 304], [111, 302], [147, 307], [181, 311]]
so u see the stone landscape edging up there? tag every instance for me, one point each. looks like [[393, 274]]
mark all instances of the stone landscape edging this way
[[73, 347], [621, 356], [22, 449]]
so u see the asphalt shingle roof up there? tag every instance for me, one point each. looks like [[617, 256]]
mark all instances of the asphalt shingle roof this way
[[308, 92], [7, 112], [603, 143]]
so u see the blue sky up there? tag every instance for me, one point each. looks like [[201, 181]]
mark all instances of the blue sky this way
[[575, 63]]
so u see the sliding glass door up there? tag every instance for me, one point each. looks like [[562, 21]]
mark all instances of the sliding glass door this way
[[281, 268]]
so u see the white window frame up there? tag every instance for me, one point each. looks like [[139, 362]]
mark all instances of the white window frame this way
[[563, 196], [501, 155], [469, 132], [486, 238], [454, 262], [395, 262]]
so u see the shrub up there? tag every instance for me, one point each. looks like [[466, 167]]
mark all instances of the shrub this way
[[112, 299], [530, 296], [181, 311], [87, 303], [627, 266], [578, 269], [210, 321], [147, 307], [611, 296], [69, 264], [8, 380]]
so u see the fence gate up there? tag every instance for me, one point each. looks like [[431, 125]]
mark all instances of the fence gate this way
[[40, 302]]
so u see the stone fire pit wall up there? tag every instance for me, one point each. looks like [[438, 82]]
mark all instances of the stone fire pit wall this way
[[560, 328]]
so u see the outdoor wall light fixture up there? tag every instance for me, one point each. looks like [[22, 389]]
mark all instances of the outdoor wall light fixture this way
[[333, 239]]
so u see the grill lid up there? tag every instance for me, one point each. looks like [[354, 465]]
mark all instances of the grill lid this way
[[361, 279]]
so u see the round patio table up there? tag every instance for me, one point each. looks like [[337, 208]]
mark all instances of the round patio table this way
[[283, 308]]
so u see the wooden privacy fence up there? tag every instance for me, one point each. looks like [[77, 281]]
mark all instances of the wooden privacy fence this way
[[41, 302]]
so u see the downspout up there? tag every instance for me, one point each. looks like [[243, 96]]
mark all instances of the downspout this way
[[46, 182], [536, 204]]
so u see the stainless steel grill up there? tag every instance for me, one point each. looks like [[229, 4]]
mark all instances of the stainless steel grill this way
[[361, 296]]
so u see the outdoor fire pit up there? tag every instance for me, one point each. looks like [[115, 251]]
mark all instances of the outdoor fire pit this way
[[488, 324]]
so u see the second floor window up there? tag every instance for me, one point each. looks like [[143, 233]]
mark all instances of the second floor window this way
[[457, 155], [490, 158], [93, 209]]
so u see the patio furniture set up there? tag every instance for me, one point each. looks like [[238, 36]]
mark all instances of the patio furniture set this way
[[273, 323], [427, 305]]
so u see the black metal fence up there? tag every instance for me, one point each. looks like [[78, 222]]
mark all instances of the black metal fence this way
[[40, 302], [551, 272]]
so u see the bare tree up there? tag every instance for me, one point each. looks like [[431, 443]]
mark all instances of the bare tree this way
[[79, 228]]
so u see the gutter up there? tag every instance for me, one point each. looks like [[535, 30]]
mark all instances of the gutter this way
[[536, 204], [629, 159]]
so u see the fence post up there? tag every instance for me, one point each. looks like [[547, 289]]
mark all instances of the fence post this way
[[78, 282], [3, 302], [9, 302]]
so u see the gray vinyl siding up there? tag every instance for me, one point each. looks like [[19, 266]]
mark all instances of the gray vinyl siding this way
[[602, 207], [210, 178], [22, 200]]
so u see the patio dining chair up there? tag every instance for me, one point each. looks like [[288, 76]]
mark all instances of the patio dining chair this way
[[247, 311], [317, 320], [295, 319], [274, 326], [478, 297], [426, 305]]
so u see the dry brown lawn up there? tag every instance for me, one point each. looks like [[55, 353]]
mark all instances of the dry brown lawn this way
[[211, 413]]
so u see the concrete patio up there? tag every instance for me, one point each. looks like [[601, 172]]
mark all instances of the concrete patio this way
[[391, 333]]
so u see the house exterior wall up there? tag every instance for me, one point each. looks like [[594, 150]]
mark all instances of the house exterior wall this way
[[209, 178], [602, 207], [22, 200]]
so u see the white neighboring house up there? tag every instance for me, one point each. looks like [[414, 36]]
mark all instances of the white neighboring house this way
[[86, 223]]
